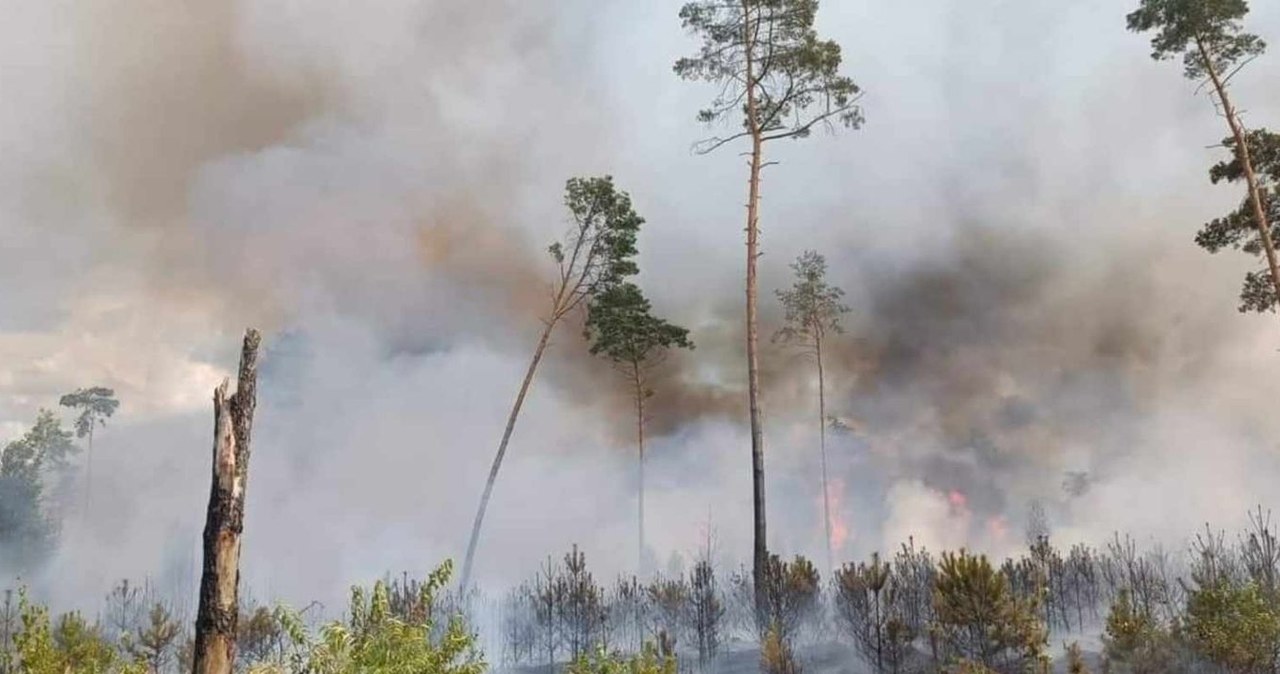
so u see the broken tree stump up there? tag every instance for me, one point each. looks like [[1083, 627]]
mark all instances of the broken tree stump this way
[[220, 574]]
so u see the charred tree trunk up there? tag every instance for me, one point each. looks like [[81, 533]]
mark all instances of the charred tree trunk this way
[[220, 576]]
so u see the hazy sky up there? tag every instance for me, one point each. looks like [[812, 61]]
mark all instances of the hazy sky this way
[[374, 184]]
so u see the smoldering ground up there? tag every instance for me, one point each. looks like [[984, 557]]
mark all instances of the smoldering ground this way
[[376, 187]]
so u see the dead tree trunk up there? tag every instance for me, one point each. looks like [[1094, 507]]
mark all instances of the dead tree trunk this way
[[220, 576]]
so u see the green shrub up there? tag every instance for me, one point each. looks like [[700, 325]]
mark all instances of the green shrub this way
[[648, 661], [373, 639], [1234, 625]]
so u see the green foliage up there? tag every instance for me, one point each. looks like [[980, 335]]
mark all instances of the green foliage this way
[[669, 604], [155, 642], [813, 307], [1239, 229], [95, 405], [767, 49], [1206, 33], [790, 597], [1133, 642], [978, 619], [46, 445], [868, 602], [597, 253], [776, 655], [620, 325], [81, 646], [373, 639], [26, 533], [34, 642], [1234, 625], [72, 646], [1209, 36], [648, 661]]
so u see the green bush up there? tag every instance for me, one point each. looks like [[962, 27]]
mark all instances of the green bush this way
[[373, 639], [73, 645], [1134, 642], [648, 661], [1234, 625], [979, 621]]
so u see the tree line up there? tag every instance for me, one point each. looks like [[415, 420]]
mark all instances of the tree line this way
[[776, 79], [37, 476], [1212, 607]]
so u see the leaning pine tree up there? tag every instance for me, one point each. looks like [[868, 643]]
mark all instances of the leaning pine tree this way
[[1238, 229], [622, 327], [595, 256], [777, 80], [813, 310], [1209, 37]]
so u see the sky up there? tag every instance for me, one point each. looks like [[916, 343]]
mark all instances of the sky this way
[[375, 185]]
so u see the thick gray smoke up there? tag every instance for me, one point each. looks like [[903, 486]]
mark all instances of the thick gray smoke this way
[[375, 184]]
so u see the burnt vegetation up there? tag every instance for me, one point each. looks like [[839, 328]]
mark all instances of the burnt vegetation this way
[[1214, 606]]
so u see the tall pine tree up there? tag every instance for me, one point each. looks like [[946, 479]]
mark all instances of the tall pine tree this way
[[595, 256], [1208, 35], [777, 80]]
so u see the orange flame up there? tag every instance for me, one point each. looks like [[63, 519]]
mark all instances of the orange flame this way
[[959, 502], [839, 528], [998, 527]]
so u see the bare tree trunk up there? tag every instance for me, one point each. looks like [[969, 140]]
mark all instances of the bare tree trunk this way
[[822, 446], [637, 380], [760, 548], [1246, 162], [502, 449], [88, 472], [220, 578]]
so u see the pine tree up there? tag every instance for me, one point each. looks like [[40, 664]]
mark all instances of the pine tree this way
[[95, 405], [813, 311], [622, 327], [595, 256], [1207, 34], [778, 80]]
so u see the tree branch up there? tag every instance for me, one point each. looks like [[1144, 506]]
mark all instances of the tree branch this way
[[800, 130], [709, 145]]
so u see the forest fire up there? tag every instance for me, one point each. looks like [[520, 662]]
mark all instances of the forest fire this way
[[998, 528], [839, 528], [517, 417]]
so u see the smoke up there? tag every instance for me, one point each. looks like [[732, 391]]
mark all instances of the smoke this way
[[376, 187]]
